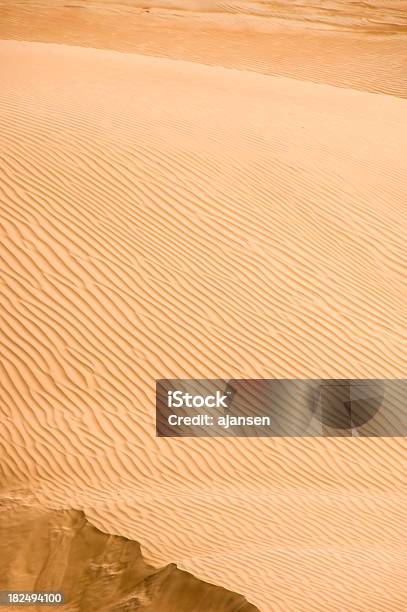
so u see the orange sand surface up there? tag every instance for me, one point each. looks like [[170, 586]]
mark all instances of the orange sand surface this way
[[164, 218]]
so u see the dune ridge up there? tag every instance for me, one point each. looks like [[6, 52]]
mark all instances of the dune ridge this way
[[354, 45]]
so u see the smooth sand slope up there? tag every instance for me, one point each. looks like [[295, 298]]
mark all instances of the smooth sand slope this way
[[167, 219]]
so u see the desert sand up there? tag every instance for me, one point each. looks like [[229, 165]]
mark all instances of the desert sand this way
[[42, 549], [182, 204]]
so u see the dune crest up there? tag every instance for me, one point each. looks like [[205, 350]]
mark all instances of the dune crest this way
[[358, 45]]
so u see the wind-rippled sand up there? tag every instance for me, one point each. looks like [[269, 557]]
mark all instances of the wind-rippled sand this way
[[164, 218]]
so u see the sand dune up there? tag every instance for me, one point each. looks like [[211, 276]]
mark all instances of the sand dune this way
[[354, 45], [168, 219]]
